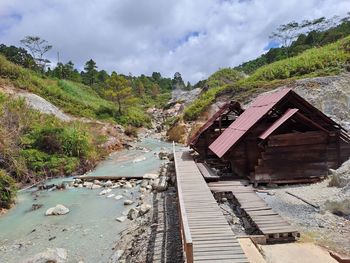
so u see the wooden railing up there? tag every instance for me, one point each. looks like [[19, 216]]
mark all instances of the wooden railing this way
[[185, 229]]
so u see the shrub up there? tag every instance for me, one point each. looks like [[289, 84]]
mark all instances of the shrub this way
[[7, 190], [43, 164], [131, 131], [70, 141], [135, 117]]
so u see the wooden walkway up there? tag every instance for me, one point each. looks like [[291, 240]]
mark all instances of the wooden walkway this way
[[273, 226], [207, 237]]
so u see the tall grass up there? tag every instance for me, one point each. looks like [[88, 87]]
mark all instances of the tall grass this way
[[327, 60]]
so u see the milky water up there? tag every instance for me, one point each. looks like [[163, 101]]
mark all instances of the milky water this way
[[89, 230]]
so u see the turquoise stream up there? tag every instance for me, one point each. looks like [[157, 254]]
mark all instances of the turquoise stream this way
[[89, 230]]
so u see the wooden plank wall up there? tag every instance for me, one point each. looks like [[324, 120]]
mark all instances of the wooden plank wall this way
[[293, 156]]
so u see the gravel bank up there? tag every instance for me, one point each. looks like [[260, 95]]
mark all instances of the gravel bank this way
[[318, 225]]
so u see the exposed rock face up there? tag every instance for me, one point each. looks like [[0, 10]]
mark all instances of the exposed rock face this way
[[179, 95], [341, 177], [179, 132], [331, 95], [51, 255], [57, 210]]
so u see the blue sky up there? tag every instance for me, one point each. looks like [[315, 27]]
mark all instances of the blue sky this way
[[194, 37]]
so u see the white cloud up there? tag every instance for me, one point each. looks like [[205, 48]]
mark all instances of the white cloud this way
[[192, 37]]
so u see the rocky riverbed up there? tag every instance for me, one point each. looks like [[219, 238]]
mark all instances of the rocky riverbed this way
[[98, 211]]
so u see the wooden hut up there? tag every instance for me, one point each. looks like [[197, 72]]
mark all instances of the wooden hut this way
[[213, 128], [279, 138]]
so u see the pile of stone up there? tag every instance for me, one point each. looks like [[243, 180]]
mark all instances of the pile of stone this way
[[122, 183]]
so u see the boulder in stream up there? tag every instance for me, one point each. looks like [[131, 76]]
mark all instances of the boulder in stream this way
[[88, 184], [57, 255], [133, 213], [57, 210], [106, 191], [139, 159], [108, 184], [121, 219], [118, 197], [128, 202]]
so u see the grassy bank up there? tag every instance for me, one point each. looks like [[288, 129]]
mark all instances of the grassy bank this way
[[34, 146], [73, 98], [327, 60]]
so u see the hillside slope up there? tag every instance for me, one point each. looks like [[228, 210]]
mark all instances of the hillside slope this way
[[328, 60]]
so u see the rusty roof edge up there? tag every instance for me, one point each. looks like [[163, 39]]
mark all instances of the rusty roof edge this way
[[211, 120], [280, 121]]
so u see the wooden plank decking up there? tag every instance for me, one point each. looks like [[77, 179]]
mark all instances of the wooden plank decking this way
[[208, 174], [207, 237], [271, 224]]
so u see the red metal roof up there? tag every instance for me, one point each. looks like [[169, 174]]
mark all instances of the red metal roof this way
[[209, 122], [258, 109], [286, 116]]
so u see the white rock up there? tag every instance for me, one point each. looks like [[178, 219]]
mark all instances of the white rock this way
[[155, 183], [121, 218], [144, 183], [127, 185], [57, 255], [108, 183], [118, 254], [97, 182], [118, 197], [115, 186], [139, 159], [88, 184], [96, 186], [110, 196], [150, 176], [128, 202], [57, 210], [106, 191], [144, 208], [133, 213], [78, 181]]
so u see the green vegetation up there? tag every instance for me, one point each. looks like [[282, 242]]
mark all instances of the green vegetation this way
[[35, 145], [7, 190], [320, 61], [216, 83], [295, 40]]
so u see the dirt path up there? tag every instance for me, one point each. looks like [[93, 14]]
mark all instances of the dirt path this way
[[296, 252]]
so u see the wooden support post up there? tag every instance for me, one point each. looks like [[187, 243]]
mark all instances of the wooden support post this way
[[338, 149]]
